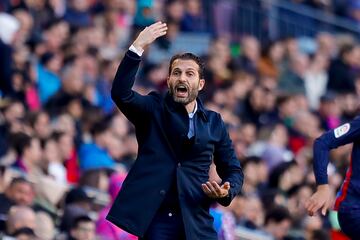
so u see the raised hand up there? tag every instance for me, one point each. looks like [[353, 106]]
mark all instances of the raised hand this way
[[320, 199], [213, 190], [149, 34]]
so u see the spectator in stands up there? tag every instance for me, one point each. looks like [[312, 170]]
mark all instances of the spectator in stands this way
[[193, 19], [78, 14], [97, 178], [175, 11], [326, 45], [40, 123], [341, 75], [292, 79], [95, 154], [285, 176], [52, 161], [12, 113], [253, 213], [19, 192], [145, 14], [28, 154], [277, 222], [250, 56], [329, 112], [251, 168], [275, 149], [316, 79], [48, 79], [20, 217], [237, 206], [72, 89], [77, 204], [254, 107], [271, 59], [68, 154], [82, 228]]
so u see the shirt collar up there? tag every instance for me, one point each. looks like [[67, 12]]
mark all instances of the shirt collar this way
[[191, 115], [174, 106]]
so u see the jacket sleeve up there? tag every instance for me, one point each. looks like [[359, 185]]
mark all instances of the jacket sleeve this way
[[227, 165], [132, 104], [344, 134]]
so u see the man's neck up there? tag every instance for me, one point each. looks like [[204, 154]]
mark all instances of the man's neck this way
[[190, 107]]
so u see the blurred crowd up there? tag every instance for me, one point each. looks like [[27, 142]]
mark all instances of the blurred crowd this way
[[65, 149]]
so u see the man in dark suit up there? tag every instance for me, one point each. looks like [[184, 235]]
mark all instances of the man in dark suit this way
[[167, 193]]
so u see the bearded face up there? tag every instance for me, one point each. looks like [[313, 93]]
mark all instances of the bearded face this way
[[183, 93], [184, 82]]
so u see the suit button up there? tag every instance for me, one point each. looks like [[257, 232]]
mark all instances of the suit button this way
[[162, 192], [179, 164]]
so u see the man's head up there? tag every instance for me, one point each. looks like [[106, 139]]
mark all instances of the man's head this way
[[20, 191], [20, 217], [83, 228], [27, 148], [186, 77], [278, 222], [348, 54], [101, 133]]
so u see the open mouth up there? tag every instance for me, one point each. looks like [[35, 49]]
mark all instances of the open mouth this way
[[181, 90]]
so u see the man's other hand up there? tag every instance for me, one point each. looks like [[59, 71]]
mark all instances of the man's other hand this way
[[321, 199], [214, 190], [149, 34]]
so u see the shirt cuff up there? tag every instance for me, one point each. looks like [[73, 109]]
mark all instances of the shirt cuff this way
[[135, 50]]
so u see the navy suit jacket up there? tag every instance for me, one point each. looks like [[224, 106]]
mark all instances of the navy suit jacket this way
[[161, 129]]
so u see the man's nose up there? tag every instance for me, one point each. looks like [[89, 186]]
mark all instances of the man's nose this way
[[182, 77]]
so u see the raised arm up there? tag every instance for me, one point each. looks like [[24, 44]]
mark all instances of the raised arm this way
[[129, 102]]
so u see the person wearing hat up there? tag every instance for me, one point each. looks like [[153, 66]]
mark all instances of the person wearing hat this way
[[167, 193]]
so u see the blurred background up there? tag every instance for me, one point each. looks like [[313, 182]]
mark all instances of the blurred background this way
[[279, 72]]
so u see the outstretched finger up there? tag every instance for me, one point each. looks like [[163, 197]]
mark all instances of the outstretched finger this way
[[156, 27], [210, 186], [324, 209], [216, 187], [156, 24], [160, 33], [315, 207], [205, 188]]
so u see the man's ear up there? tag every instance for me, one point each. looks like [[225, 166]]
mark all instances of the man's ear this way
[[201, 84], [168, 82]]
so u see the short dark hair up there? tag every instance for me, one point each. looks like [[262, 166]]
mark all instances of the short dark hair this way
[[100, 127], [345, 49], [80, 219], [17, 180], [189, 56], [277, 214], [21, 141]]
